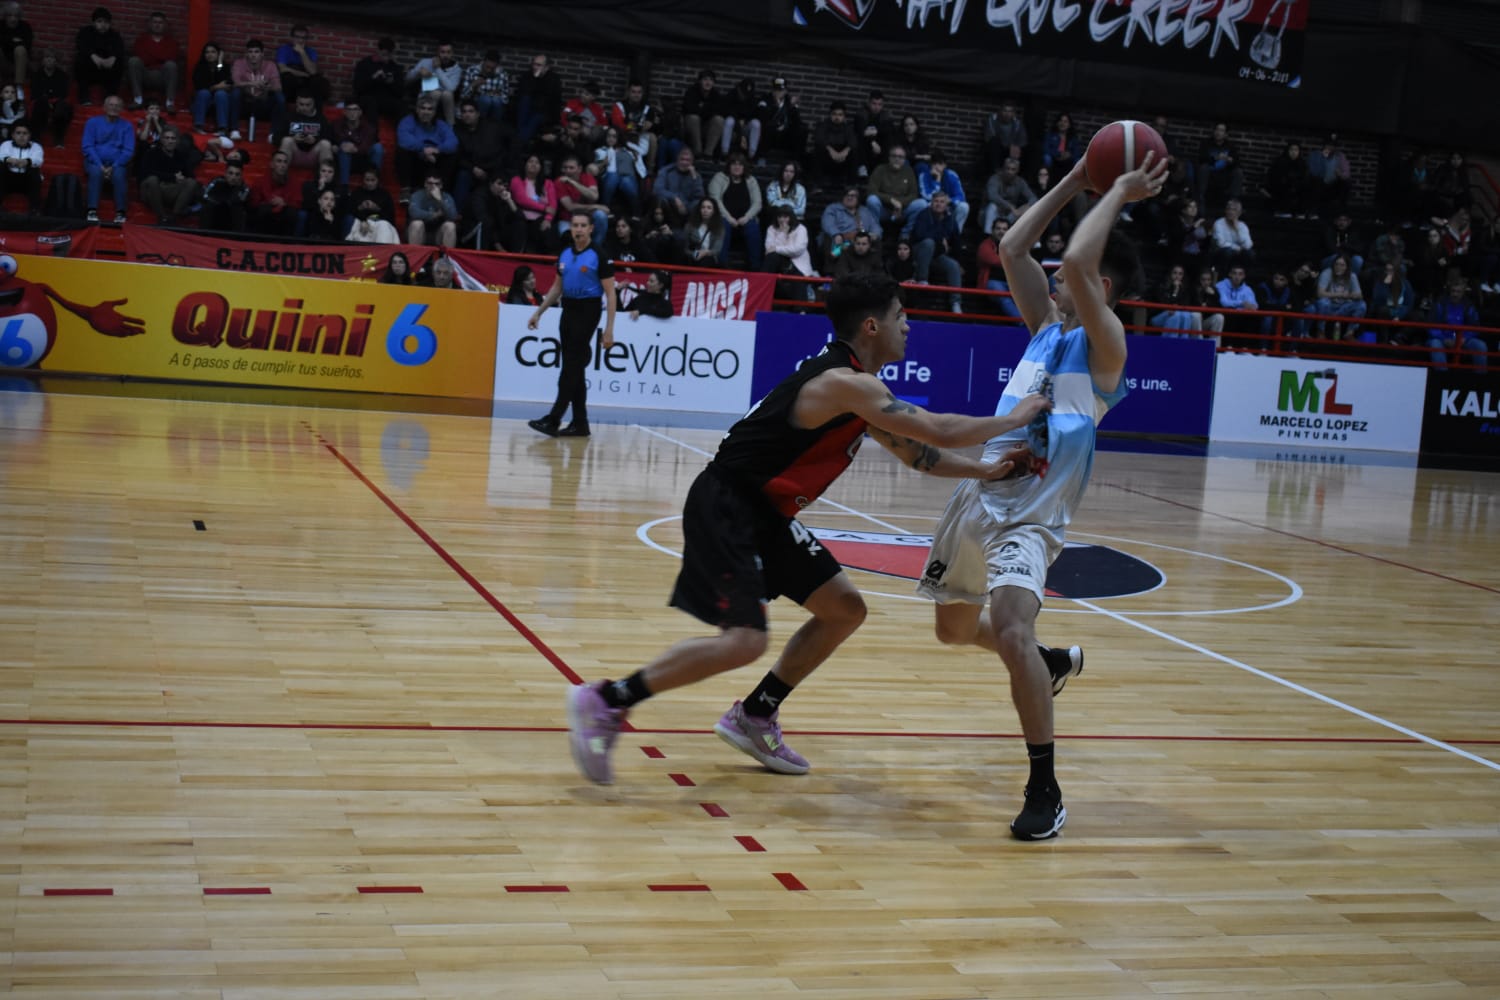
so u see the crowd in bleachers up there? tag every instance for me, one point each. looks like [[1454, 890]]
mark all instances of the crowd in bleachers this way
[[263, 141]]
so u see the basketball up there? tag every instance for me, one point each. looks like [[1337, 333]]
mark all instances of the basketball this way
[[1119, 148]]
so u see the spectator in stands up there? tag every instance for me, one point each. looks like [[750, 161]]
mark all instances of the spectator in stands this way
[[259, 84], [1175, 291], [148, 132], [1289, 186], [324, 220], [355, 142], [1220, 177], [370, 200], [786, 189], [21, 167], [679, 188], [1061, 147], [1005, 138], [1329, 168], [742, 124], [536, 196], [940, 178], [624, 245], [1487, 252], [1236, 294], [659, 236], [12, 110], [1275, 294], [590, 113], [991, 270], [786, 249], [903, 264], [226, 201], [153, 63], [16, 39], [522, 290], [1050, 256], [438, 274], [273, 199], [1391, 297], [297, 61], [312, 190], [1390, 247], [639, 123], [1304, 293], [875, 127], [860, 257], [655, 299], [620, 169], [50, 109], [167, 184], [1231, 237], [432, 216], [894, 192], [213, 85], [833, 141], [437, 78], [1458, 238], [108, 146], [843, 218], [538, 98], [482, 150], [397, 270], [488, 85], [303, 134], [578, 191], [1206, 296], [1430, 274], [1181, 172], [370, 228], [1066, 219], [378, 83], [935, 243], [783, 135], [1450, 186], [99, 61], [703, 237], [914, 139], [737, 195], [1453, 310], [1340, 237], [495, 218], [423, 142], [1006, 194], [1188, 238], [703, 108], [1339, 295]]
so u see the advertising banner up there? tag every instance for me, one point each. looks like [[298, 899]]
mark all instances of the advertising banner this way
[[1255, 40], [1462, 414], [681, 363], [52, 238], [963, 368], [1318, 403], [108, 318], [695, 294], [349, 261]]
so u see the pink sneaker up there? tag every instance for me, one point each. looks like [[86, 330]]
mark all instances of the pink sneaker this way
[[593, 728], [761, 739]]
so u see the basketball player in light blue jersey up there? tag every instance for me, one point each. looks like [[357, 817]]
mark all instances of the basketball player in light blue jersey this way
[[997, 539]]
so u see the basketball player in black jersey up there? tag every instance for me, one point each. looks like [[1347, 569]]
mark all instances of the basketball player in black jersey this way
[[744, 545]]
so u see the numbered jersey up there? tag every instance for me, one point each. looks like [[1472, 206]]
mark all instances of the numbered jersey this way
[[792, 466]]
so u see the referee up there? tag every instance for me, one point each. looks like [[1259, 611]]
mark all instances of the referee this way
[[585, 283]]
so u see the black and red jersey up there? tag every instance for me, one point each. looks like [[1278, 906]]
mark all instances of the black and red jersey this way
[[792, 466]]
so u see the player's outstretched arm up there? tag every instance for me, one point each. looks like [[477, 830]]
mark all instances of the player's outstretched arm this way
[[1080, 269], [866, 396], [1028, 282], [947, 464]]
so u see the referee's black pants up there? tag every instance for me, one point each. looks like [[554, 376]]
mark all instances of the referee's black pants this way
[[576, 328]]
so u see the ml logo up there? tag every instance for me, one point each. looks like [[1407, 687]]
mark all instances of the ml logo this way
[[1311, 392]]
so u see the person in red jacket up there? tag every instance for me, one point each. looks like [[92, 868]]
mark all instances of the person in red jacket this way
[[153, 63]]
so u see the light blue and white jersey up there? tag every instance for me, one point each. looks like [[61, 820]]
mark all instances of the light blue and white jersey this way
[[1055, 363]]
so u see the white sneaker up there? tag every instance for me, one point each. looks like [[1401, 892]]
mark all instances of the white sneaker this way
[[235, 134]]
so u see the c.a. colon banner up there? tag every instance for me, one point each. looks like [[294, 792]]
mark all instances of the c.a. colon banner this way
[[348, 261], [50, 237], [109, 318], [1254, 40]]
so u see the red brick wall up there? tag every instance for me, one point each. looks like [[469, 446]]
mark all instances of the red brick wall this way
[[952, 117]]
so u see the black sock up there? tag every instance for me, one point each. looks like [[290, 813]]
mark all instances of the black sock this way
[[767, 696], [1041, 766], [630, 691]]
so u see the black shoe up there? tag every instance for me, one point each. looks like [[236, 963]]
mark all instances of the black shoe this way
[[544, 425], [1062, 664], [574, 431], [1042, 817]]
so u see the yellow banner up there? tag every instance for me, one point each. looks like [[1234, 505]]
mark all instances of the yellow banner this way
[[139, 320]]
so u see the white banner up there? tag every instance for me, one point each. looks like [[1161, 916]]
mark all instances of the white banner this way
[[1319, 404], [681, 363]]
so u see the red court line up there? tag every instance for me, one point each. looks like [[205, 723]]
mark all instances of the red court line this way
[[682, 780], [378, 889], [251, 890], [1305, 538], [750, 844], [536, 888], [78, 892], [653, 753], [792, 882], [714, 809], [674, 887]]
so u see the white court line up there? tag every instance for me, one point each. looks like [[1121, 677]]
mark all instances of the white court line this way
[[1237, 664]]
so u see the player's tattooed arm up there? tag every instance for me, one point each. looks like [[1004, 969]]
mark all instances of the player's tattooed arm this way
[[917, 454], [894, 405]]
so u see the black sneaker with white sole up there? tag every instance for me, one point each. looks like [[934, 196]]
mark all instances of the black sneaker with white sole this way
[[1041, 817], [1062, 664]]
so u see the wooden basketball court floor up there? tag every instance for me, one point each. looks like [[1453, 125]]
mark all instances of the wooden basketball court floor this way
[[281, 709]]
